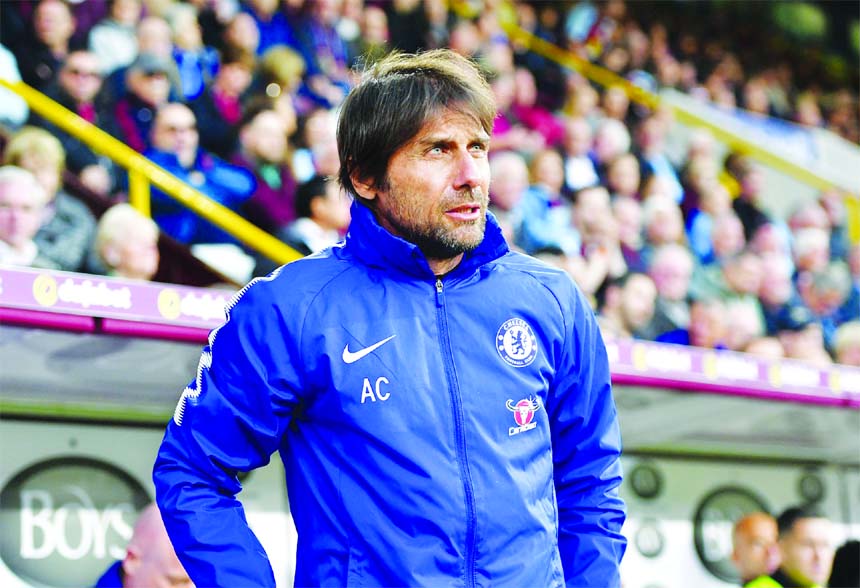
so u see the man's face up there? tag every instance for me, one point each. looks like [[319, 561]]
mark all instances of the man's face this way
[[153, 88], [436, 193], [80, 76], [807, 554], [53, 22], [266, 137], [20, 213], [754, 551], [175, 131], [637, 301]]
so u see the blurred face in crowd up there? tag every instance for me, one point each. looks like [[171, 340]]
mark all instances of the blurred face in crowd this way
[[671, 271], [624, 175], [666, 223], [716, 199], [743, 325], [707, 324], [510, 180], [45, 169], [436, 190], [577, 137], [126, 12], [548, 170], [154, 36], [591, 207], [615, 103], [650, 135], [775, 286], [243, 32], [152, 88], [807, 553], [638, 298], [769, 240], [727, 235], [628, 213], [80, 76], [754, 550], [233, 78], [21, 211], [265, 138], [806, 343], [526, 90], [135, 254], [854, 261], [53, 23], [743, 274], [175, 131]]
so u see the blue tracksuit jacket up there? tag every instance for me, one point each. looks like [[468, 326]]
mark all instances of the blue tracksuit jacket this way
[[435, 432]]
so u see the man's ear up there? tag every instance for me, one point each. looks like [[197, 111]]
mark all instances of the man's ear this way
[[362, 187]]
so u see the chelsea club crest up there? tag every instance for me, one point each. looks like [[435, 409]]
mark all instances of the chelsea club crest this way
[[516, 343]]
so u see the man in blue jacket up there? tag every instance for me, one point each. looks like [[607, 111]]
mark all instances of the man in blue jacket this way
[[441, 404]]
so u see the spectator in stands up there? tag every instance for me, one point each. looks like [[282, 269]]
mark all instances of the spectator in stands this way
[[615, 103], [40, 56], [671, 269], [68, 226], [750, 183], [714, 203], [315, 138], [852, 305], [651, 150], [196, 62], [508, 132], [322, 216], [846, 344], [628, 306], [153, 36], [743, 322], [126, 243], [611, 139], [510, 180], [219, 108], [22, 203], [531, 114], [805, 547], [149, 561], [175, 148], [622, 176], [824, 292], [241, 34], [776, 291], [148, 84], [114, 38], [801, 337], [13, 108], [325, 53], [264, 150], [628, 215], [78, 88], [708, 327], [273, 26], [833, 203], [663, 224], [580, 170], [754, 549], [546, 214], [811, 249]]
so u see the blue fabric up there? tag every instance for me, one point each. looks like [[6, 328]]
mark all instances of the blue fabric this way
[[226, 184], [112, 578], [406, 465]]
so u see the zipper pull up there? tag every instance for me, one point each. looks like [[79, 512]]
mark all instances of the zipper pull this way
[[438, 291]]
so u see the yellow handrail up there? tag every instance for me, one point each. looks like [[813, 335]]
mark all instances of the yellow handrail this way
[[142, 172]]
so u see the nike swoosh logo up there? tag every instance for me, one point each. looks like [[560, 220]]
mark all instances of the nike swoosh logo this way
[[353, 356]]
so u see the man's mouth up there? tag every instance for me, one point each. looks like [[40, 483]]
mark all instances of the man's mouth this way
[[465, 212]]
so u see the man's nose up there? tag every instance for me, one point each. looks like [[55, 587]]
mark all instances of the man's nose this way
[[470, 170]]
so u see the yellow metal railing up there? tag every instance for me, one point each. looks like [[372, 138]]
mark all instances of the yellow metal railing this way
[[142, 172], [508, 22]]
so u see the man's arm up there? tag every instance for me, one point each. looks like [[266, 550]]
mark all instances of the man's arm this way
[[586, 445], [229, 419]]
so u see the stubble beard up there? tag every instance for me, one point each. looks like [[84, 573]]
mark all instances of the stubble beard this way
[[438, 241]]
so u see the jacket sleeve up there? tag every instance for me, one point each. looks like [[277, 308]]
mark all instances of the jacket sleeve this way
[[230, 419], [586, 445]]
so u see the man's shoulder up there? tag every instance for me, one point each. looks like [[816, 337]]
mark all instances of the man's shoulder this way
[[296, 284], [541, 273]]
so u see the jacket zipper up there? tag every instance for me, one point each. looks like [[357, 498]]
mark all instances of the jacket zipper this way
[[459, 436]]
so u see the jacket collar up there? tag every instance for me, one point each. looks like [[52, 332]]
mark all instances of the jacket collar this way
[[373, 245]]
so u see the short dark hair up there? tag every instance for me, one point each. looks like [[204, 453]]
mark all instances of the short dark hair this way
[[308, 192], [394, 100], [786, 521]]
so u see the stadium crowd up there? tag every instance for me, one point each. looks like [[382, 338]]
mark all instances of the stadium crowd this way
[[238, 98]]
